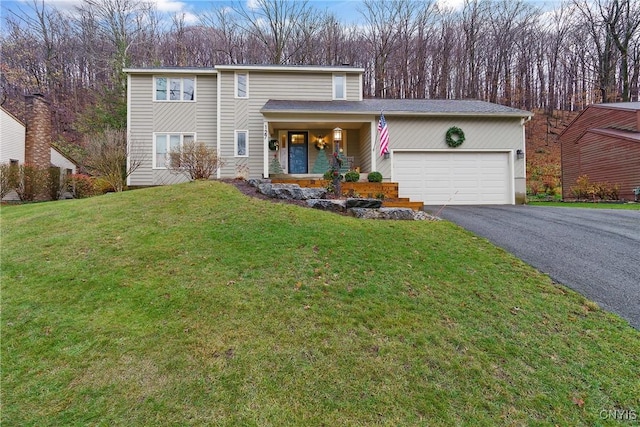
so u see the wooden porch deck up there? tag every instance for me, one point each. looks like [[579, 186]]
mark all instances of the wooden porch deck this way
[[373, 190]]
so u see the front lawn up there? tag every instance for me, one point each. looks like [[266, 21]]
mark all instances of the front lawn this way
[[196, 305]]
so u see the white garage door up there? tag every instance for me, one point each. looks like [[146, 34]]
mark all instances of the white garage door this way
[[456, 178]]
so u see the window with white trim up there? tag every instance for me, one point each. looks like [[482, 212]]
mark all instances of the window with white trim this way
[[339, 86], [164, 143], [174, 89], [242, 85], [241, 143]]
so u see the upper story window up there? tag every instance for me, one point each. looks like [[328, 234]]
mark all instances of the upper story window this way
[[339, 86], [175, 89], [242, 85]]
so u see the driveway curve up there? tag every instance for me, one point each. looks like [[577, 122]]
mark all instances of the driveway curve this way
[[595, 252]]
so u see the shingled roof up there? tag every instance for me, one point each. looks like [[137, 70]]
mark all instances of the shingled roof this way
[[390, 107]]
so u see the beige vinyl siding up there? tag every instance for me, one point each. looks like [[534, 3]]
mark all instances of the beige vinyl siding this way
[[207, 110], [364, 154], [141, 121], [481, 133], [244, 114], [354, 91], [149, 117], [12, 136]]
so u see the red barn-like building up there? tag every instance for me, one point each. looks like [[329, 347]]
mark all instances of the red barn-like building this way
[[603, 142]]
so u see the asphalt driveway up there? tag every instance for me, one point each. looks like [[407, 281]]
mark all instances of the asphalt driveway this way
[[593, 251]]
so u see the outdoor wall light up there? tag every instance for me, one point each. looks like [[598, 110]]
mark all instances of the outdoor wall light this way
[[519, 154], [337, 134], [386, 155]]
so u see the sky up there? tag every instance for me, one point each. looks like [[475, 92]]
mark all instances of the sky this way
[[345, 10], [193, 8]]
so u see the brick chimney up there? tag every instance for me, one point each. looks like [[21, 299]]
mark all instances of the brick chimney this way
[[38, 133]]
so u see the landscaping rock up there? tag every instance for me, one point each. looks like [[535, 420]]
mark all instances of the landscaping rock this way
[[423, 216], [390, 213], [333, 205], [364, 213], [314, 193], [291, 191], [397, 213], [256, 182], [281, 191], [364, 203]]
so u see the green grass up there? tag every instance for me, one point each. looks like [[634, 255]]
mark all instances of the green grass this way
[[629, 206], [195, 305]]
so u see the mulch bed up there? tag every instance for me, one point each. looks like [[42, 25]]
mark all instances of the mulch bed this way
[[251, 191]]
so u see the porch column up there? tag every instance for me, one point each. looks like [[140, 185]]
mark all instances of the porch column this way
[[265, 150], [374, 137]]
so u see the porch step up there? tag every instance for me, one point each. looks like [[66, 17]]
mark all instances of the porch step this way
[[371, 190], [364, 189], [402, 202]]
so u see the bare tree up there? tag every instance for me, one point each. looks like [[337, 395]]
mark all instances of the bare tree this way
[[623, 20], [106, 157], [474, 21], [281, 26], [382, 19]]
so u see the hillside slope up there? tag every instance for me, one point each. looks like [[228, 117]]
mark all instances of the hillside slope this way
[[543, 152], [197, 305]]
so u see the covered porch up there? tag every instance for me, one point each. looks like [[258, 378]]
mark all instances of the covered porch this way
[[301, 137], [305, 149]]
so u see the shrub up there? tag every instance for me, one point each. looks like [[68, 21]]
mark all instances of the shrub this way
[[102, 186], [54, 183], [107, 153], [82, 186], [8, 178], [352, 176], [613, 192], [32, 183], [196, 160], [583, 187], [534, 188], [374, 177]]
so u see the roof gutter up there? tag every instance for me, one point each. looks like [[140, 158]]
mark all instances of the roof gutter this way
[[289, 68], [169, 71], [388, 113]]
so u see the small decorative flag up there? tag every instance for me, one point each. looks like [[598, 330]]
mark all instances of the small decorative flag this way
[[384, 135]]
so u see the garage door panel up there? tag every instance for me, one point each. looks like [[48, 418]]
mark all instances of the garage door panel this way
[[454, 177]]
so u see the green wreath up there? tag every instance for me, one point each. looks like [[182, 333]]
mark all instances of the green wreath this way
[[454, 142]]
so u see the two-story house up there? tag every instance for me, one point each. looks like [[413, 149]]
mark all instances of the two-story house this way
[[253, 114]]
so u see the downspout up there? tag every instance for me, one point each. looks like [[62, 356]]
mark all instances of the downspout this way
[[524, 121], [218, 122], [129, 129]]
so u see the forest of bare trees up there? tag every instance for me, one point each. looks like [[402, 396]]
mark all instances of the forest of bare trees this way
[[507, 51]]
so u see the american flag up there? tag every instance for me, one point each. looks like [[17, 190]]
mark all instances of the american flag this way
[[384, 135]]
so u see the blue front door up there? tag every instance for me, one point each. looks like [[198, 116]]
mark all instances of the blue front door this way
[[298, 154]]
